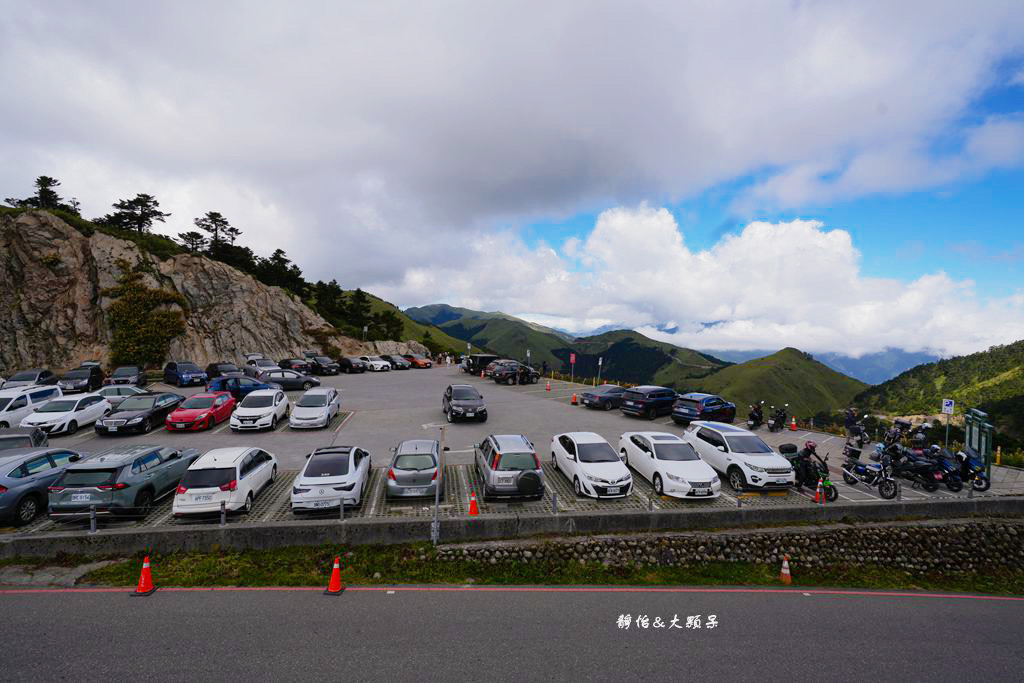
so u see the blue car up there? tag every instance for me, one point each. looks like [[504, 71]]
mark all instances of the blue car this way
[[25, 475], [183, 373], [697, 406], [239, 387]]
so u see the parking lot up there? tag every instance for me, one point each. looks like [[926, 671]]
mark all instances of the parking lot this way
[[382, 409]]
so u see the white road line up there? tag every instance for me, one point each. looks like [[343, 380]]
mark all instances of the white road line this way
[[375, 495], [723, 494], [462, 450], [224, 425], [345, 421]]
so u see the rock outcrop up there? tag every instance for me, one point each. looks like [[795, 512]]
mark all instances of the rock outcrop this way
[[54, 314]]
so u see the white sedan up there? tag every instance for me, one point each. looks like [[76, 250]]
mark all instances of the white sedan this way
[[591, 464], [66, 415], [740, 456], [332, 476], [260, 409], [376, 363], [670, 464], [315, 408]]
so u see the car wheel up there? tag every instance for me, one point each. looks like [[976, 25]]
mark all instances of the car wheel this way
[[247, 508], [554, 462], [577, 487], [736, 479], [4, 425], [651, 413], [273, 423], [273, 474], [143, 503], [625, 457], [28, 508], [72, 428], [448, 416], [147, 426], [659, 487], [306, 386], [607, 405]]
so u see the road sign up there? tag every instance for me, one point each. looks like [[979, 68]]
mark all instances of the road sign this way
[[599, 360], [947, 406], [572, 359]]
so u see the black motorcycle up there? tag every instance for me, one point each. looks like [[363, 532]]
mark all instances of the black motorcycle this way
[[918, 471], [777, 421], [857, 432], [952, 470], [808, 471], [756, 417], [870, 474]]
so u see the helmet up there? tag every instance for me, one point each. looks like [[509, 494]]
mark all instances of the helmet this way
[[810, 445]]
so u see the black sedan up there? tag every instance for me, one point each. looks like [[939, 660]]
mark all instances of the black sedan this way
[[605, 397], [350, 365], [322, 365], [128, 374], [297, 364], [139, 413], [289, 380]]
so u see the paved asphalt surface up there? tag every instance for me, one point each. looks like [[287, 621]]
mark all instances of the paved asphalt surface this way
[[475, 634]]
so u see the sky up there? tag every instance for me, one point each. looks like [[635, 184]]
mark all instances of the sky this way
[[835, 176]]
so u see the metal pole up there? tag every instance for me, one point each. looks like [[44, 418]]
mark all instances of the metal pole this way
[[899, 491], [598, 380], [341, 509], [435, 526], [92, 519], [554, 502], [223, 513], [947, 431]]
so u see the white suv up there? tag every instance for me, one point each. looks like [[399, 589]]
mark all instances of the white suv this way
[[233, 476], [670, 464], [260, 409], [18, 403], [740, 456], [591, 464]]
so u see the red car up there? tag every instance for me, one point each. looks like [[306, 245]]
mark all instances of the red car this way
[[201, 411]]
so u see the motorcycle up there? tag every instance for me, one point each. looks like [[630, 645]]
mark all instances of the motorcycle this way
[[808, 473], [777, 422], [756, 417], [951, 468], [918, 471], [870, 474], [972, 469], [858, 433]]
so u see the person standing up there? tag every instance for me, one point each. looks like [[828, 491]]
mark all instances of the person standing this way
[[544, 368]]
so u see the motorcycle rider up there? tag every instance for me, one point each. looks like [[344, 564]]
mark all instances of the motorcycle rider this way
[[802, 465], [756, 414]]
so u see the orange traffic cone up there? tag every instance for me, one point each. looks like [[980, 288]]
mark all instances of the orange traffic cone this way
[[481, 374], [784, 576], [819, 495], [792, 425], [473, 509], [335, 586], [549, 386], [574, 399], [145, 586]]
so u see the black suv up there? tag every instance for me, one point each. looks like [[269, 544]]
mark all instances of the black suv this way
[[322, 365], [648, 401], [85, 378], [697, 406], [463, 402], [514, 372], [222, 368], [350, 365]]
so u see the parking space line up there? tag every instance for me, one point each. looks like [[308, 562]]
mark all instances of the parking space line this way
[[726, 495], [344, 422], [375, 495], [224, 425]]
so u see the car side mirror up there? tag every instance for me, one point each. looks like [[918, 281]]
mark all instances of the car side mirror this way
[[74, 458], [308, 456], [393, 450], [476, 445], [447, 448], [722, 448]]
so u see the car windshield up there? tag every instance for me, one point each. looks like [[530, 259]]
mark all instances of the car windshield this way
[[419, 461], [327, 465], [188, 367], [257, 401], [57, 407], [675, 451], [20, 441], [633, 395], [311, 401], [87, 477], [208, 478], [750, 445], [324, 359], [266, 363], [23, 377], [227, 367], [137, 403], [197, 403], [465, 394], [125, 372], [516, 462], [688, 403], [596, 452], [77, 374]]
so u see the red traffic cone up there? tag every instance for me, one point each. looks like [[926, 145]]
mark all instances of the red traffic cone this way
[[145, 586], [784, 576], [548, 386], [335, 586], [819, 495], [481, 374], [574, 399], [792, 425], [473, 509]]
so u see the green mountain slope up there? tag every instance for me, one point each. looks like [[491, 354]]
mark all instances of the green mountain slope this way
[[629, 356], [411, 329], [788, 376], [439, 314]]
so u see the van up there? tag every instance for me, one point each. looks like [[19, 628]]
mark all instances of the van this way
[[20, 402]]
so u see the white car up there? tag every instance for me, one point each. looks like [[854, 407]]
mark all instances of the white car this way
[[19, 402], [740, 456], [260, 409], [315, 408], [376, 363], [670, 464], [66, 414], [332, 476], [591, 464], [233, 476]]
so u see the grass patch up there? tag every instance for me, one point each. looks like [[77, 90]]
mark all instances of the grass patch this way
[[309, 566]]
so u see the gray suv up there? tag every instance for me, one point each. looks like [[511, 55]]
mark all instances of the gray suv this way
[[124, 480], [413, 471], [509, 467], [25, 474]]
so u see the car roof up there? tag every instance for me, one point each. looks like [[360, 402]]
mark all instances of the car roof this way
[[25, 389], [463, 386], [210, 394], [656, 436], [722, 427], [118, 455], [584, 437], [647, 388], [263, 392], [14, 455], [319, 390], [512, 443], [220, 456], [697, 395], [413, 446]]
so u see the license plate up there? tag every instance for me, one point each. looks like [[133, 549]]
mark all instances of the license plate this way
[[630, 403], [80, 497], [937, 475], [202, 499], [321, 503], [505, 480], [470, 414], [782, 481], [179, 425], [702, 492], [586, 401], [111, 429], [415, 492], [612, 490], [771, 423]]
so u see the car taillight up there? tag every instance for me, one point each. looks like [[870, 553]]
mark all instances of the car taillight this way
[[391, 474], [434, 477], [497, 461], [120, 486], [536, 459], [3, 489], [181, 488], [230, 486]]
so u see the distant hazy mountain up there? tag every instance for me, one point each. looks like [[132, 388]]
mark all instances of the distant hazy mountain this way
[[875, 368], [739, 356], [438, 314]]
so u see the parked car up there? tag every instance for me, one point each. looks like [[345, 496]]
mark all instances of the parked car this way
[[396, 361], [252, 356], [127, 374], [698, 406], [322, 365], [591, 464], [670, 464], [603, 397], [90, 363], [239, 387], [201, 411], [25, 476], [255, 366], [493, 366], [515, 373], [261, 409], [648, 401], [417, 360], [66, 414], [34, 376], [376, 363], [183, 373], [298, 364], [289, 380], [123, 481], [332, 476], [22, 437], [315, 408], [222, 369], [463, 402], [21, 401], [139, 413], [509, 467], [234, 476], [87, 378], [117, 393], [351, 365], [740, 456], [476, 362], [414, 468]]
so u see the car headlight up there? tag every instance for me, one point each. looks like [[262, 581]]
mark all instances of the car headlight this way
[[457, 409], [203, 416], [134, 421], [596, 480], [674, 478], [755, 468], [714, 479]]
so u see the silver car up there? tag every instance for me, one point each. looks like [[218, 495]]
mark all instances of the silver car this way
[[315, 408], [509, 467], [413, 471], [25, 476]]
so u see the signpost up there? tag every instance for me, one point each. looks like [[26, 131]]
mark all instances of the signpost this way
[[599, 361], [365, 328], [947, 409], [572, 367], [435, 524]]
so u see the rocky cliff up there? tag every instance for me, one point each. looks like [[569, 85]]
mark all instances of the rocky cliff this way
[[54, 314]]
